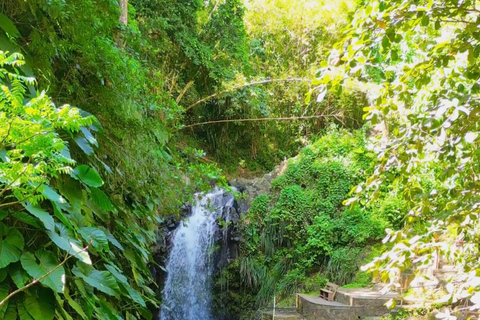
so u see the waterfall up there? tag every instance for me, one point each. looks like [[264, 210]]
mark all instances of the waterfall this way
[[187, 291]]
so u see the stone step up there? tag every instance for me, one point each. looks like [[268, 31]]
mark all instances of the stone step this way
[[363, 297]]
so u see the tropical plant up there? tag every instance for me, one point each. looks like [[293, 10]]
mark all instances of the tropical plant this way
[[57, 258], [420, 61]]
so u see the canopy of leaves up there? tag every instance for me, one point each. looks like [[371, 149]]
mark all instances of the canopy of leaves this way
[[286, 42], [420, 61]]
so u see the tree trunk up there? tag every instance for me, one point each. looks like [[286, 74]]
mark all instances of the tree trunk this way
[[124, 13]]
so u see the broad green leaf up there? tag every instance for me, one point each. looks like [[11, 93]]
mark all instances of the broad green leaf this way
[[72, 190], [22, 311], [4, 291], [99, 212], [61, 313], [83, 144], [88, 307], [117, 273], [52, 194], [3, 274], [65, 152], [7, 25], [18, 275], [101, 199], [87, 175], [40, 306], [3, 214], [42, 262], [11, 245], [101, 280], [112, 239], [27, 218], [57, 211], [65, 240], [7, 45], [95, 237], [425, 20], [75, 306], [89, 136], [11, 312], [108, 311], [42, 215], [135, 295], [385, 42]]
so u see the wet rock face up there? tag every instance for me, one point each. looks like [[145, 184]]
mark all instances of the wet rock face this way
[[228, 237]]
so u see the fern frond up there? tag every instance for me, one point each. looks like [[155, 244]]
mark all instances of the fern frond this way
[[18, 91]]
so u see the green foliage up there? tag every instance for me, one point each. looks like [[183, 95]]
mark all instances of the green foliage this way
[[80, 52], [302, 228], [280, 47], [47, 262], [427, 100], [113, 201], [53, 241]]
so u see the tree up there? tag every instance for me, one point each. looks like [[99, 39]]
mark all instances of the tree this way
[[420, 62]]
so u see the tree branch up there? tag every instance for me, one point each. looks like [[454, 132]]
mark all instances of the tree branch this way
[[180, 96], [35, 281], [20, 201], [32, 136], [262, 119], [8, 132], [244, 86]]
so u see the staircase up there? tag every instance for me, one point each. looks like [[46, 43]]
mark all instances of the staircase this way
[[347, 304]]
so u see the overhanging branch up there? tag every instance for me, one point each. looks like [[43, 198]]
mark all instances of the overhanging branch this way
[[244, 86], [336, 116]]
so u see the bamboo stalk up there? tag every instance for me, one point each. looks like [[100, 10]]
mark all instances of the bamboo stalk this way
[[262, 119], [244, 86]]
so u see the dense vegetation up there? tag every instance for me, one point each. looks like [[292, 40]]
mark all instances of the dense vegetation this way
[[284, 53], [86, 239], [426, 96], [105, 108], [301, 235]]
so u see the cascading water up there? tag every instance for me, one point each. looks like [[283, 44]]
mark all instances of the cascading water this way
[[187, 291]]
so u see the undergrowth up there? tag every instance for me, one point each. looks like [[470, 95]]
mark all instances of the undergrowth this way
[[301, 235]]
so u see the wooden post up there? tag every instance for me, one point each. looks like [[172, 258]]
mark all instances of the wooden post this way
[[274, 302]]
